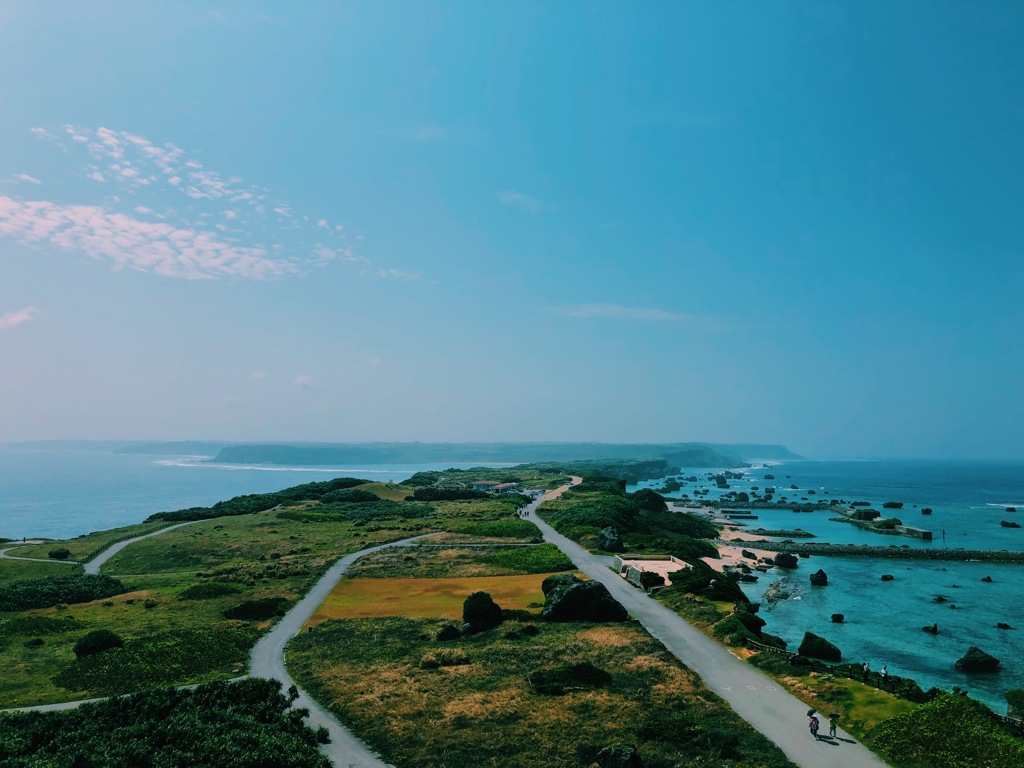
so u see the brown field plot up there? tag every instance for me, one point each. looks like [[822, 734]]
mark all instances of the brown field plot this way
[[424, 598]]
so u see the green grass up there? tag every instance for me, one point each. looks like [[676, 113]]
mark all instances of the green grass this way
[[429, 561], [17, 570], [483, 710], [86, 544]]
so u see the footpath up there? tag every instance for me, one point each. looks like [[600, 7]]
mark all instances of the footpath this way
[[753, 695]]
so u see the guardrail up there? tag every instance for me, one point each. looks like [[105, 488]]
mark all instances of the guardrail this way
[[99, 550]]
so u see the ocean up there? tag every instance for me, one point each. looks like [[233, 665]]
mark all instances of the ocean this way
[[883, 620], [64, 493], [60, 494]]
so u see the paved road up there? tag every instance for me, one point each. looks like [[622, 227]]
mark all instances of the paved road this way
[[754, 696], [267, 660], [94, 565]]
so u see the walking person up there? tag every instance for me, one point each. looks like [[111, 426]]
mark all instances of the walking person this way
[[813, 724], [864, 672], [833, 722], [885, 676]]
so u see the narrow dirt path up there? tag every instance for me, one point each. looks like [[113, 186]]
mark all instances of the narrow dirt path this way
[[754, 696]]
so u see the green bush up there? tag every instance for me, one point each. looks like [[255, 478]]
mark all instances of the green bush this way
[[61, 553], [97, 642], [258, 610], [247, 724], [54, 590], [39, 625], [543, 558], [952, 731], [349, 496], [209, 589], [557, 681], [500, 529]]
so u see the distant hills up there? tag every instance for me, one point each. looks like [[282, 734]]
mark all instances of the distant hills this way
[[328, 454]]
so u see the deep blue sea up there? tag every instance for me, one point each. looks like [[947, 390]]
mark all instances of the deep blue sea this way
[[884, 619], [64, 493]]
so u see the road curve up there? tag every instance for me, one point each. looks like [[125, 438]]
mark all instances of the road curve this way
[[94, 565], [267, 660], [753, 695], [5, 556]]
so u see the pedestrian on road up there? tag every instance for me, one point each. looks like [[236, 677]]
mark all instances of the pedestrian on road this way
[[865, 671], [833, 722], [814, 725]]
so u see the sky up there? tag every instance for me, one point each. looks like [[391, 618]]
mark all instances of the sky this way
[[796, 223]]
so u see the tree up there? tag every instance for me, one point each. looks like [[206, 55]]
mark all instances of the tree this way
[[97, 642]]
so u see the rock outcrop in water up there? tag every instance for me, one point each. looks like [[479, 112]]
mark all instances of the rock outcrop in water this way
[[838, 618], [1009, 524], [932, 629], [888, 577], [976, 660], [818, 647], [786, 560], [819, 578]]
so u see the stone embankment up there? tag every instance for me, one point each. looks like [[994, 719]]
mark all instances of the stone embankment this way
[[892, 552]]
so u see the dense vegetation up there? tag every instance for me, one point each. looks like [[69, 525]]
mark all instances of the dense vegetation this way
[[55, 590], [953, 731], [641, 519], [157, 660], [259, 502], [247, 724]]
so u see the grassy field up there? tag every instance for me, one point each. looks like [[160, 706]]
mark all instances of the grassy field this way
[[429, 560], [424, 598], [389, 491], [472, 702], [16, 570], [274, 554], [86, 544]]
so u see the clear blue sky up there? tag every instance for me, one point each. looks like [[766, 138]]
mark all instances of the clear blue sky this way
[[781, 222]]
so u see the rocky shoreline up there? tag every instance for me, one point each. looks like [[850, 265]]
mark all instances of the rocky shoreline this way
[[891, 552]]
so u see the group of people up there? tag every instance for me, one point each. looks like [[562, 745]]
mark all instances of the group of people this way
[[884, 674], [814, 719], [815, 724]]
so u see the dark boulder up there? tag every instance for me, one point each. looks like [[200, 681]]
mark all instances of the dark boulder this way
[[748, 578], [819, 578], [1011, 509], [619, 756], [748, 554], [786, 560], [819, 648], [987, 579], [893, 505], [610, 540], [888, 577], [448, 632], [939, 599], [567, 598], [976, 660], [926, 510], [480, 612], [932, 629], [1003, 625], [838, 618], [1009, 524]]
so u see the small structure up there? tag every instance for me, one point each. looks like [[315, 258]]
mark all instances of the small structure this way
[[917, 533], [494, 486], [506, 488], [631, 566]]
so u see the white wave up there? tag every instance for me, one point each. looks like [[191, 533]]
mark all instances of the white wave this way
[[269, 468], [1017, 504]]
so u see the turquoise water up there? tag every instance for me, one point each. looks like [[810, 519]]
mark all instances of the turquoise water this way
[[65, 493], [884, 619]]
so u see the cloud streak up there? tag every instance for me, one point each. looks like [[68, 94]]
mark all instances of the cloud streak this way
[[588, 311], [19, 317], [154, 208], [519, 200]]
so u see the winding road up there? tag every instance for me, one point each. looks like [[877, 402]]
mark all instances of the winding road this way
[[754, 696]]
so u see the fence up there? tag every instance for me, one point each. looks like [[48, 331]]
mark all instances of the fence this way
[[99, 550]]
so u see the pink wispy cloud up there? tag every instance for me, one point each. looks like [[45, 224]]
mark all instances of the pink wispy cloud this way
[[128, 242], [207, 224], [20, 317]]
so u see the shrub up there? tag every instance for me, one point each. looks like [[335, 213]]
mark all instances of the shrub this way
[[500, 529], [97, 642], [61, 553], [348, 496], [54, 590], [208, 590], [557, 681], [543, 558], [481, 612], [257, 610]]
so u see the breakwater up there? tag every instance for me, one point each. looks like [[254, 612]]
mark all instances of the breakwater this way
[[891, 552]]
